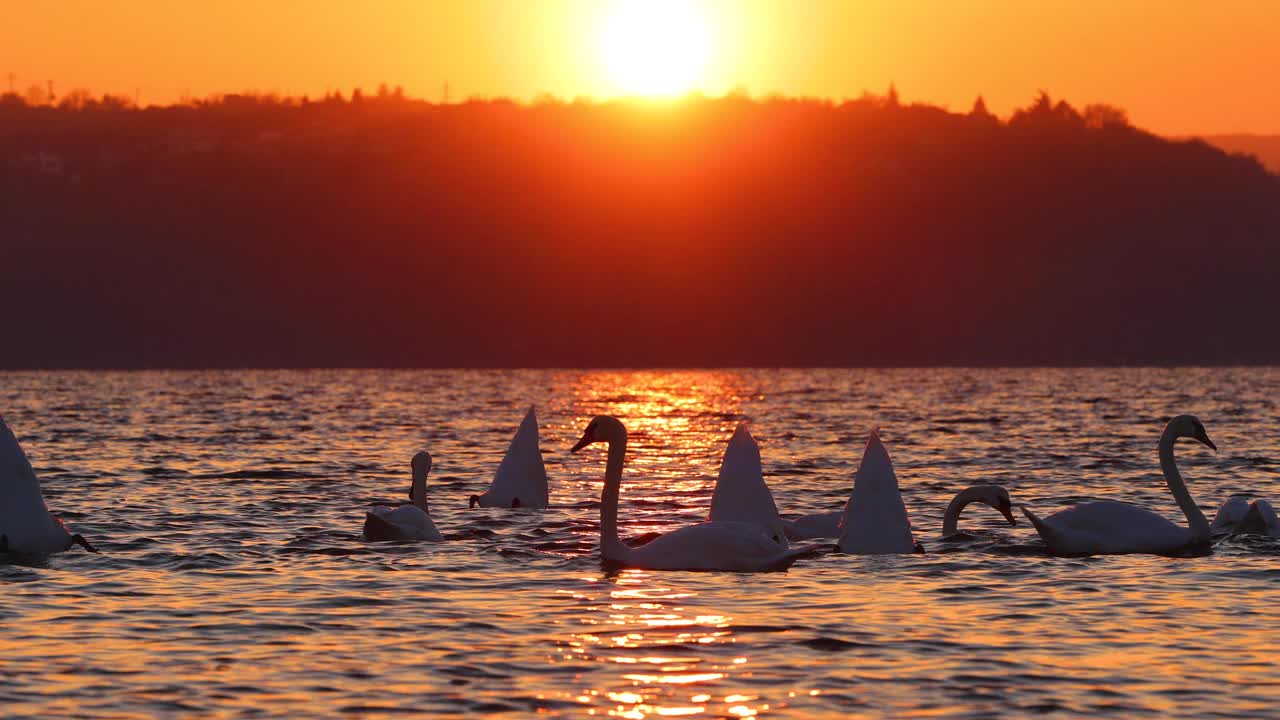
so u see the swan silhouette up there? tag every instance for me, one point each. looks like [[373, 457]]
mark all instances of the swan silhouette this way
[[711, 545], [521, 480], [993, 495], [1109, 527], [875, 521], [407, 522], [26, 525], [741, 494]]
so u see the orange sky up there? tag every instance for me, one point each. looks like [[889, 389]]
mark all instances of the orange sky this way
[[1177, 66]]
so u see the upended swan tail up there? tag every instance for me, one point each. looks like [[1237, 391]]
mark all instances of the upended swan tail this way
[[377, 529], [1046, 533]]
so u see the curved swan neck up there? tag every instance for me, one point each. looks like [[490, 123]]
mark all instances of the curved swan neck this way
[[957, 506], [1195, 518], [418, 490], [610, 546]]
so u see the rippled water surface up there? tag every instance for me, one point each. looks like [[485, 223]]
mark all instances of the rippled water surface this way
[[233, 580]]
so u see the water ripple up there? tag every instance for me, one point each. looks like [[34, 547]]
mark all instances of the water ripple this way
[[234, 581]]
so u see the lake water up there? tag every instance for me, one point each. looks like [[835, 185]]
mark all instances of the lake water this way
[[233, 580]]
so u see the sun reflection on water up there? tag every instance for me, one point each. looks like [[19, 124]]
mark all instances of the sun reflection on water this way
[[638, 621]]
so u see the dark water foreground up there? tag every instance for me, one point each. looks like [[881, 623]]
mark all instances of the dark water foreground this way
[[233, 581]]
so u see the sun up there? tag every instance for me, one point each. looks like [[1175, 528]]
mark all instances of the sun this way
[[655, 47]]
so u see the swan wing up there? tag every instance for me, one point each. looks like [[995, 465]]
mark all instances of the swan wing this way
[[1109, 527], [1260, 519], [407, 522], [875, 521], [741, 494], [25, 521], [716, 545], [814, 525], [521, 474], [1230, 514]]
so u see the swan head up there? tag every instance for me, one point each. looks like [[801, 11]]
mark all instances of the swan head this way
[[602, 428], [997, 497], [1189, 426], [421, 464]]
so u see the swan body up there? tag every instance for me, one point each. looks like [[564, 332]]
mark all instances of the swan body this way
[[521, 480], [875, 520], [713, 545], [993, 495], [1230, 515], [410, 522], [26, 526], [814, 525], [741, 494], [1108, 527]]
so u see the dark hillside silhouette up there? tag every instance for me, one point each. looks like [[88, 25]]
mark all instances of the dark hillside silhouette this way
[[1265, 147], [381, 231]]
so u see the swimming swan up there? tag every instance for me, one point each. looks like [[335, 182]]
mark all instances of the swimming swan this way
[[521, 480], [993, 495], [406, 522], [26, 526], [741, 494], [711, 545], [875, 520], [1109, 527]]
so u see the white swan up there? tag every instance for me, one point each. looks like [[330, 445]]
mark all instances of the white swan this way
[[26, 526], [741, 494], [1230, 515], [992, 495], [875, 520], [521, 480], [712, 545], [406, 522], [1260, 520], [1108, 527]]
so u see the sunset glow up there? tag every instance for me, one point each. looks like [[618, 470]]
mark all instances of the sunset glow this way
[[655, 47], [1198, 73]]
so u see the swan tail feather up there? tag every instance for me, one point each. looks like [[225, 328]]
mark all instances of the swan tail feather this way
[[788, 558], [376, 529], [79, 540], [1047, 533]]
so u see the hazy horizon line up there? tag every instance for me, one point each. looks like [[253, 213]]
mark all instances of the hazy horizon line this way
[[661, 368], [396, 93]]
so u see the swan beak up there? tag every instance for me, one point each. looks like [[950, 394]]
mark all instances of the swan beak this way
[[1007, 512], [1205, 439], [585, 441]]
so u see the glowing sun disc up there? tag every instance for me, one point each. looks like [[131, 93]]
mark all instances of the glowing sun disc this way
[[655, 47]]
